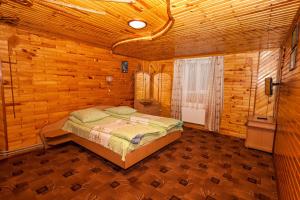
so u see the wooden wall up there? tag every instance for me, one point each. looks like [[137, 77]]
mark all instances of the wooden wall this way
[[239, 87], [52, 76], [244, 90], [268, 66], [4, 35], [3, 132], [287, 142], [244, 75]]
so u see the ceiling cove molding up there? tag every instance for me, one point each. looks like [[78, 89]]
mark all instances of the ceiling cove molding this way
[[168, 25]]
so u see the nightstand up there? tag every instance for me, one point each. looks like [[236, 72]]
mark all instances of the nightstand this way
[[260, 133], [56, 137]]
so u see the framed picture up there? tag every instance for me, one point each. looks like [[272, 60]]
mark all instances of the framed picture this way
[[295, 36], [124, 66], [293, 59]]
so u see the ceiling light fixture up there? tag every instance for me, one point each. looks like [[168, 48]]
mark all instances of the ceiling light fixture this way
[[137, 24]]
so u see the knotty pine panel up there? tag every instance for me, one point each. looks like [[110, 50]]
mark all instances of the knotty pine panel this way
[[3, 132], [268, 66], [53, 76], [238, 92], [287, 141], [241, 88], [4, 58]]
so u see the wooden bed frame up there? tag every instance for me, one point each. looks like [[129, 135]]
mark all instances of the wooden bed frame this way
[[52, 134], [132, 157], [51, 131]]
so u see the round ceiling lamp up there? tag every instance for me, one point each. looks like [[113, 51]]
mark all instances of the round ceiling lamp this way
[[137, 24]]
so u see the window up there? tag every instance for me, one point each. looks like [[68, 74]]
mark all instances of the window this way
[[196, 80]]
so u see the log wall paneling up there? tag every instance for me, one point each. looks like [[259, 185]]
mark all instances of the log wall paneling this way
[[242, 93], [287, 141], [3, 130], [238, 70], [53, 76], [3, 60], [244, 88], [268, 66]]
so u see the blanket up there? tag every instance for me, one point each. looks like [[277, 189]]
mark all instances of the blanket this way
[[158, 121]]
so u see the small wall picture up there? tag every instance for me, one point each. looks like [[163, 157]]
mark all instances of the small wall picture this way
[[293, 59], [124, 67]]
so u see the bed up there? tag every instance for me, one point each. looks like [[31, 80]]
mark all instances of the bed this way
[[127, 141]]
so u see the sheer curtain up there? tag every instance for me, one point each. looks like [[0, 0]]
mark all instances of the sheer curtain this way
[[198, 84], [176, 101], [196, 77], [215, 94]]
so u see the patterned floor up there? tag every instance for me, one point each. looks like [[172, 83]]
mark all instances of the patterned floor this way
[[199, 166]]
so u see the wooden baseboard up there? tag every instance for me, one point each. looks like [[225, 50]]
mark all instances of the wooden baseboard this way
[[257, 147], [202, 128], [195, 126], [11, 153], [234, 135]]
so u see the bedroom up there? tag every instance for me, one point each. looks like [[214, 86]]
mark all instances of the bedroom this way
[[59, 57]]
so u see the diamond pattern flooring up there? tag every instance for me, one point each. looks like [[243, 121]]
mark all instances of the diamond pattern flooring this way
[[200, 165]]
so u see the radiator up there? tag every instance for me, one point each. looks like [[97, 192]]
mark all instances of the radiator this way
[[192, 115]]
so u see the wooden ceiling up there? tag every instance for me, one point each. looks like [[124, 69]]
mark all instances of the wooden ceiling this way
[[201, 26], [219, 26], [103, 30]]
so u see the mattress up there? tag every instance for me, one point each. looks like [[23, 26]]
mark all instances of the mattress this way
[[116, 144]]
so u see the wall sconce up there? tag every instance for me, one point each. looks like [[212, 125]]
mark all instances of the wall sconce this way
[[109, 80]]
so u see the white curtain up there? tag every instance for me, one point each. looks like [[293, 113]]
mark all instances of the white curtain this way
[[198, 83], [196, 77], [215, 94], [176, 102]]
